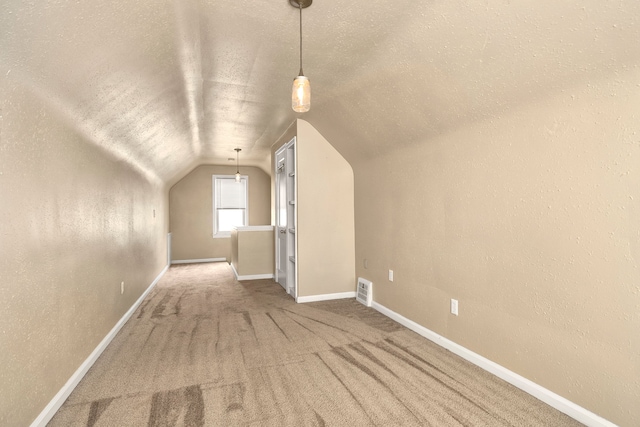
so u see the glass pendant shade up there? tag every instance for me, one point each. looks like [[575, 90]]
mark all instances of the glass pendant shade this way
[[301, 94], [237, 176]]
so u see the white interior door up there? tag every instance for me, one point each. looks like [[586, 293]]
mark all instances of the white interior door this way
[[281, 218]]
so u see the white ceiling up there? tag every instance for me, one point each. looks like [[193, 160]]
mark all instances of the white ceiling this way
[[166, 85]]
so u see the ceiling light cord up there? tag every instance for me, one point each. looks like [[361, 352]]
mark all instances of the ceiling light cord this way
[[300, 7]]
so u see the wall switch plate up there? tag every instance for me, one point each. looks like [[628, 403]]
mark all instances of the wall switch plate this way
[[454, 306], [391, 275]]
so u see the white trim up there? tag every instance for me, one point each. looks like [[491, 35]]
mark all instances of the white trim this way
[[326, 297], [276, 191], [288, 157], [254, 277], [255, 228], [195, 261], [168, 248], [234, 270], [50, 410], [294, 144], [547, 396], [251, 276]]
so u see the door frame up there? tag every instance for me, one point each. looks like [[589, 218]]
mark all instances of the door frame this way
[[280, 174], [292, 216]]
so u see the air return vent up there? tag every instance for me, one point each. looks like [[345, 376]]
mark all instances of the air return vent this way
[[365, 291]]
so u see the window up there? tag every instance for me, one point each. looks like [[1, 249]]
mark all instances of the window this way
[[230, 204]]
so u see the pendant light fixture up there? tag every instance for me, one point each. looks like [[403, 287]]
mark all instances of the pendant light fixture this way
[[301, 92], [238, 150]]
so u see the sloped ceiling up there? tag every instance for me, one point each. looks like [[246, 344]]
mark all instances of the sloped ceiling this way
[[166, 85]]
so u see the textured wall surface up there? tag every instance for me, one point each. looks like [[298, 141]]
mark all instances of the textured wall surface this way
[[325, 229], [191, 211], [157, 88], [74, 223], [530, 220]]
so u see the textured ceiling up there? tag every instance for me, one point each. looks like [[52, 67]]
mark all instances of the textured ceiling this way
[[166, 85]]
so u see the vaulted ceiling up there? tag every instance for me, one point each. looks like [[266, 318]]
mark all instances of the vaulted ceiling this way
[[166, 85]]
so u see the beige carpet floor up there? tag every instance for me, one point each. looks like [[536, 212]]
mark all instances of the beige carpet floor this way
[[205, 350]]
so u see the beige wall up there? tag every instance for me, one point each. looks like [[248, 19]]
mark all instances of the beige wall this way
[[255, 253], [531, 221], [325, 229], [191, 211], [234, 249], [74, 223]]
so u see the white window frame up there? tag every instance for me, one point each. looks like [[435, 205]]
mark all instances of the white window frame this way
[[226, 234]]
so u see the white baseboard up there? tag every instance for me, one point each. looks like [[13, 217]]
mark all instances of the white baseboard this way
[[50, 410], [250, 276], [234, 270], [255, 277], [326, 297], [547, 396], [196, 261]]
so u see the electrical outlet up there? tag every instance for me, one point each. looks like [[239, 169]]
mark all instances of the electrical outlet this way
[[454, 306], [121, 288], [391, 275]]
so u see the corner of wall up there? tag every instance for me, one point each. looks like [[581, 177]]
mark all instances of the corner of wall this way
[[326, 224]]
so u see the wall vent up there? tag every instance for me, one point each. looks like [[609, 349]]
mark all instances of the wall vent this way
[[365, 292]]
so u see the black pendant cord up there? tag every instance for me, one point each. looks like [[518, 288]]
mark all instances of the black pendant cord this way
[[300, 4]]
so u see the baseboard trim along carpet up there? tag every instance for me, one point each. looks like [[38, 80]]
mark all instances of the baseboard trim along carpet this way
[[547, 396], [196, 261], [326, 297], [50, 410], [250, 276]]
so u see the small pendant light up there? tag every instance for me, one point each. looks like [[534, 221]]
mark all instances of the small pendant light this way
[[301, 92], [238, 150]]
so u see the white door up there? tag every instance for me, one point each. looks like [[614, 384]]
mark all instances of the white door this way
[[281, 219]]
